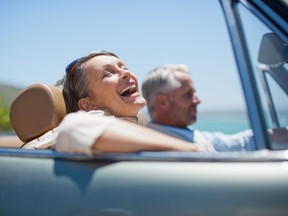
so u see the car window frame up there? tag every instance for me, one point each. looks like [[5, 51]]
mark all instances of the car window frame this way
[[243, 61]]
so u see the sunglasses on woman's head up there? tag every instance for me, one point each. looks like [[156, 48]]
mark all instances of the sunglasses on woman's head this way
[[75, 68]]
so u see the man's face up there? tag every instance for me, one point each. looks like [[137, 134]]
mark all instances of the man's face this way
[[183, 102], [112, 86]]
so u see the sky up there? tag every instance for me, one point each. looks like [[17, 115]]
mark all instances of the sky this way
[[39, 38]]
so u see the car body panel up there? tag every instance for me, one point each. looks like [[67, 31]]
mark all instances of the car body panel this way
[[55, 186]]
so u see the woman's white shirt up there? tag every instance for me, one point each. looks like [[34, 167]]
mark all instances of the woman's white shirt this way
[[78, 131]]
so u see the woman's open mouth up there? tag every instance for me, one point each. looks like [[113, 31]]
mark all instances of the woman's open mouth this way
[[129, 90]]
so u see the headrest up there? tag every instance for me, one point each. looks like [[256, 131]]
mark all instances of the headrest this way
[[36, 110]]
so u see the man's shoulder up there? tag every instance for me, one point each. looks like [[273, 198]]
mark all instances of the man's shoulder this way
[[156, 126]]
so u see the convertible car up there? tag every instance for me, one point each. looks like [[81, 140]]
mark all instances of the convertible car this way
[[45, 182]]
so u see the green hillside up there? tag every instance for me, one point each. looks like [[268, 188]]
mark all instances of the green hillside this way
[[7, 94]]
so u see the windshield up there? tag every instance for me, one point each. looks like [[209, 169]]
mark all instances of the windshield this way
[[269, 64]]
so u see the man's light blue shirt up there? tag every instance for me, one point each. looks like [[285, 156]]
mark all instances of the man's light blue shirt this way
[[242, 141]]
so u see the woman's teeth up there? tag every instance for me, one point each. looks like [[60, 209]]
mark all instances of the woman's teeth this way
[[127, 89]]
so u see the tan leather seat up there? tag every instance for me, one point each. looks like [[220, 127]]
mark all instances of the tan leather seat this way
[[36, 110]]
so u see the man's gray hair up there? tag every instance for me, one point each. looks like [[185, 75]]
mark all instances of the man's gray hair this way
[[160, 80]]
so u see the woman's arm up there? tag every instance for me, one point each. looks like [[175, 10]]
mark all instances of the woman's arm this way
[[124, 136], [82, 133]]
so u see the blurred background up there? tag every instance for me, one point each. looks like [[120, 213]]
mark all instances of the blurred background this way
[[39, 38]]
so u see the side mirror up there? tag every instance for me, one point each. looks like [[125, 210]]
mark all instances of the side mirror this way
[[272, 50]]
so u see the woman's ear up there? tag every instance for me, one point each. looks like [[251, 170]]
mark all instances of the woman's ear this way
[[86, 105]]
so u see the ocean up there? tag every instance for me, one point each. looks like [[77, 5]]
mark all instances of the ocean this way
[[226, 122]]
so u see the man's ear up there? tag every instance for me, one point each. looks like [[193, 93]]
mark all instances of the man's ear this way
[[162, 102], [86, 105]]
